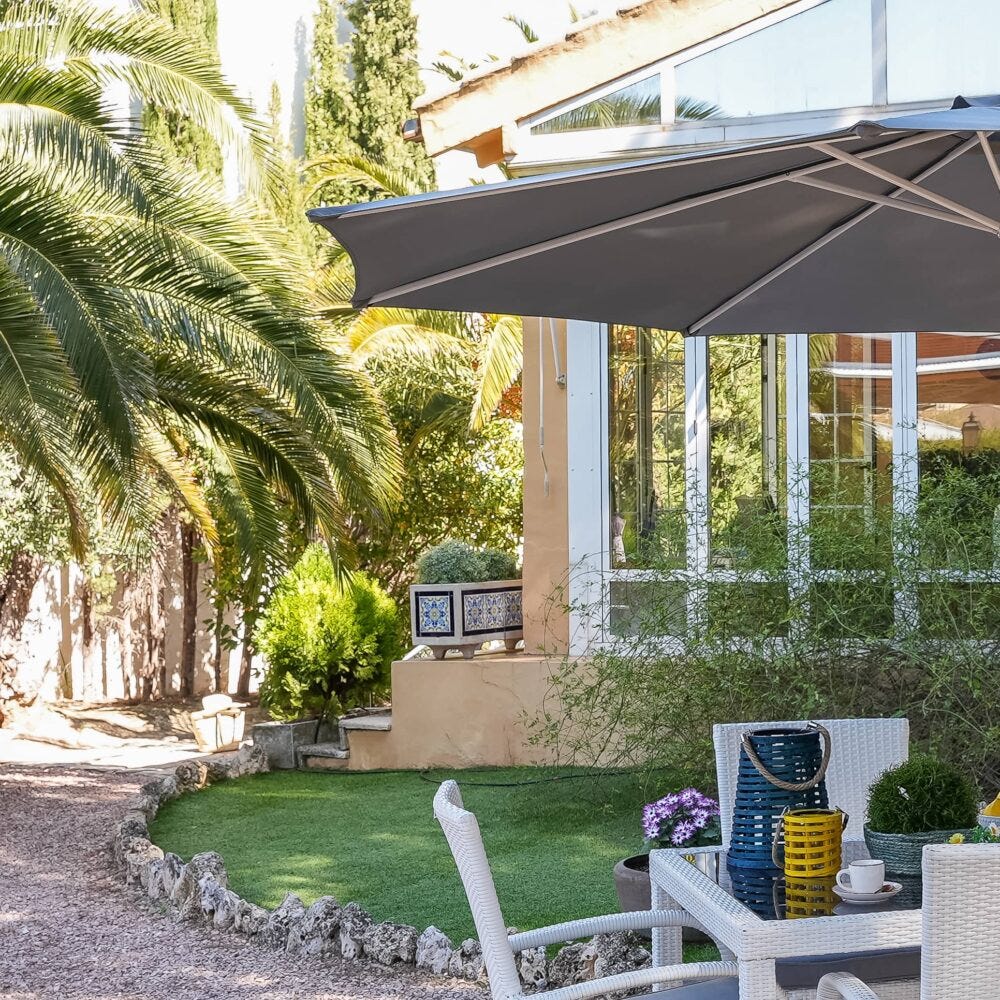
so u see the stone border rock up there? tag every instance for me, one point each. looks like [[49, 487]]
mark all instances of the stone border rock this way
[[198, 891]]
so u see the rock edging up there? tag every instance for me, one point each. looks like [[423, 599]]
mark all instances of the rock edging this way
[[198, 891]]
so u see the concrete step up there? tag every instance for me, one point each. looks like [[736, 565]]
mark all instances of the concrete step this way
[[370, 723], [323, 757]]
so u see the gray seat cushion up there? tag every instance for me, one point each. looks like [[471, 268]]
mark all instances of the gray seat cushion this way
[[869, 966], [710, 989], [805, 973]]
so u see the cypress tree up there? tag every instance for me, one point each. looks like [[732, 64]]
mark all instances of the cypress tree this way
[[329, 104], [286, 201], [386, 83], [185, 143]]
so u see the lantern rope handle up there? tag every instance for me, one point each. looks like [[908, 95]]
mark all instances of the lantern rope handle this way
[[792, 786]]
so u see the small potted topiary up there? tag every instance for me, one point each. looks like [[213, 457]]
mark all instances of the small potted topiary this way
[[923, 801], [464, 597]]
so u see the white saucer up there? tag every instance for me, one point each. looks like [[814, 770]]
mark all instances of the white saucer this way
[[868, 898]]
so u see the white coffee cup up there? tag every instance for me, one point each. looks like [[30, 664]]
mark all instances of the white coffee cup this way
[[867, 875]]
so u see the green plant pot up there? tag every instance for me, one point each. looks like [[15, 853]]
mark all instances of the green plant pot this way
[[903, 852]]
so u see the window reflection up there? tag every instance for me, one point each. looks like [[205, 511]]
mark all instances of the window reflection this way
[[636, 104], [646, 445], [933, 54], [746, 425], [958, 447], [850, 450], [821, 58]]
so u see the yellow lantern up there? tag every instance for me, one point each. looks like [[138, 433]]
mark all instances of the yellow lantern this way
[[809, 897], [812, 840]]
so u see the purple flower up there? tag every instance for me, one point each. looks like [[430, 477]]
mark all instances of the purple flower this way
[[679, 817], [683, 832]]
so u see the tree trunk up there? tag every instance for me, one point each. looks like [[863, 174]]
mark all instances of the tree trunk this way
[[189, 583], [218, 649], [246, 655], [156, 623], [15, 600], [89, 640]]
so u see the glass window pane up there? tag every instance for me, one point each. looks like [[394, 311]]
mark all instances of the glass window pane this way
[[747, 455], [647, 608], [937, 50], [748, 610], [852, 609], [959, 611], [636, 104], [821, 58], [850, 450], [646, 448], [958, 447]]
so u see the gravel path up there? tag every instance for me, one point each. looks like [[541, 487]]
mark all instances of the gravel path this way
[[68, 928]]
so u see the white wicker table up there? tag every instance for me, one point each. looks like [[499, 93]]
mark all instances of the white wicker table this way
[[755, 943]]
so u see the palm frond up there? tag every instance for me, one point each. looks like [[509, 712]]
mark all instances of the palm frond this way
[[353, 167], [500, 358], [528, 33]]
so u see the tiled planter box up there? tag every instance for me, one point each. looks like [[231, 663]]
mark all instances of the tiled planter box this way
[[463, 615]]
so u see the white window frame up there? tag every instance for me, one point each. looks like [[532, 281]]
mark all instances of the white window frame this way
[[538, 152], [589, 509]]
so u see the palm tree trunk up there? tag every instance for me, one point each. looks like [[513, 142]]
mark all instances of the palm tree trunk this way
[[156, 628], [94, 680], [189, 584]]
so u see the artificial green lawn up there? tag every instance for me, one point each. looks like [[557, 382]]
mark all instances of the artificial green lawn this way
[[372, 838]]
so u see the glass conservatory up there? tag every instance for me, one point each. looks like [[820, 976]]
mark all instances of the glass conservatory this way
[[780, 468]]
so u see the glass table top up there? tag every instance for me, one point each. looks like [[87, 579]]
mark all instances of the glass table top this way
[[772, 895]]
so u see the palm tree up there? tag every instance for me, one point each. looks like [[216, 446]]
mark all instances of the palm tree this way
[[134, 301], [152, 334], [490, 343]]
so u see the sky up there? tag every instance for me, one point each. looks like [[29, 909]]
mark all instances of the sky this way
[[473, 28]]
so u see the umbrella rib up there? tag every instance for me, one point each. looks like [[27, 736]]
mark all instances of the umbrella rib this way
[[991, 159], [887, 175], [811, 248], [624, 222], [898, 203]]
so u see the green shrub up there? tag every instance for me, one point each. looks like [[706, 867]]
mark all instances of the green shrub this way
[[498, 565], [328, 645], [921, 795], [458, 562]]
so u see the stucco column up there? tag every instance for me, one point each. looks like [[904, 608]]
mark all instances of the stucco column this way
[[546, 527]]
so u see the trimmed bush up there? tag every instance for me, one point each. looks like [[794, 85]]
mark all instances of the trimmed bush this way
[[922, 795], [458, 562], [328, 643]]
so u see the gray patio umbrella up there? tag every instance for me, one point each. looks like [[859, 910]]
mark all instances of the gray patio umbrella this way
[[892, 224]]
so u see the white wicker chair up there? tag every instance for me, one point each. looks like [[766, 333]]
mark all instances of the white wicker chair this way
[[862, 750], [960, 950], [462, 832]]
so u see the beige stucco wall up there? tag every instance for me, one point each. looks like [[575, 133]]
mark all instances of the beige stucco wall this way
[[546, 525], [457, 713], [461, 713]]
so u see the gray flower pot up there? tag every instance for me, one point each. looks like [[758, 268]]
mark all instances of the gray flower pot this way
[[903, 852], [280, 740], [634, 893]]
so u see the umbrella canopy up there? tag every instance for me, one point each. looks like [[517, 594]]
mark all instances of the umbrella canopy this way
[[893, 224]]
